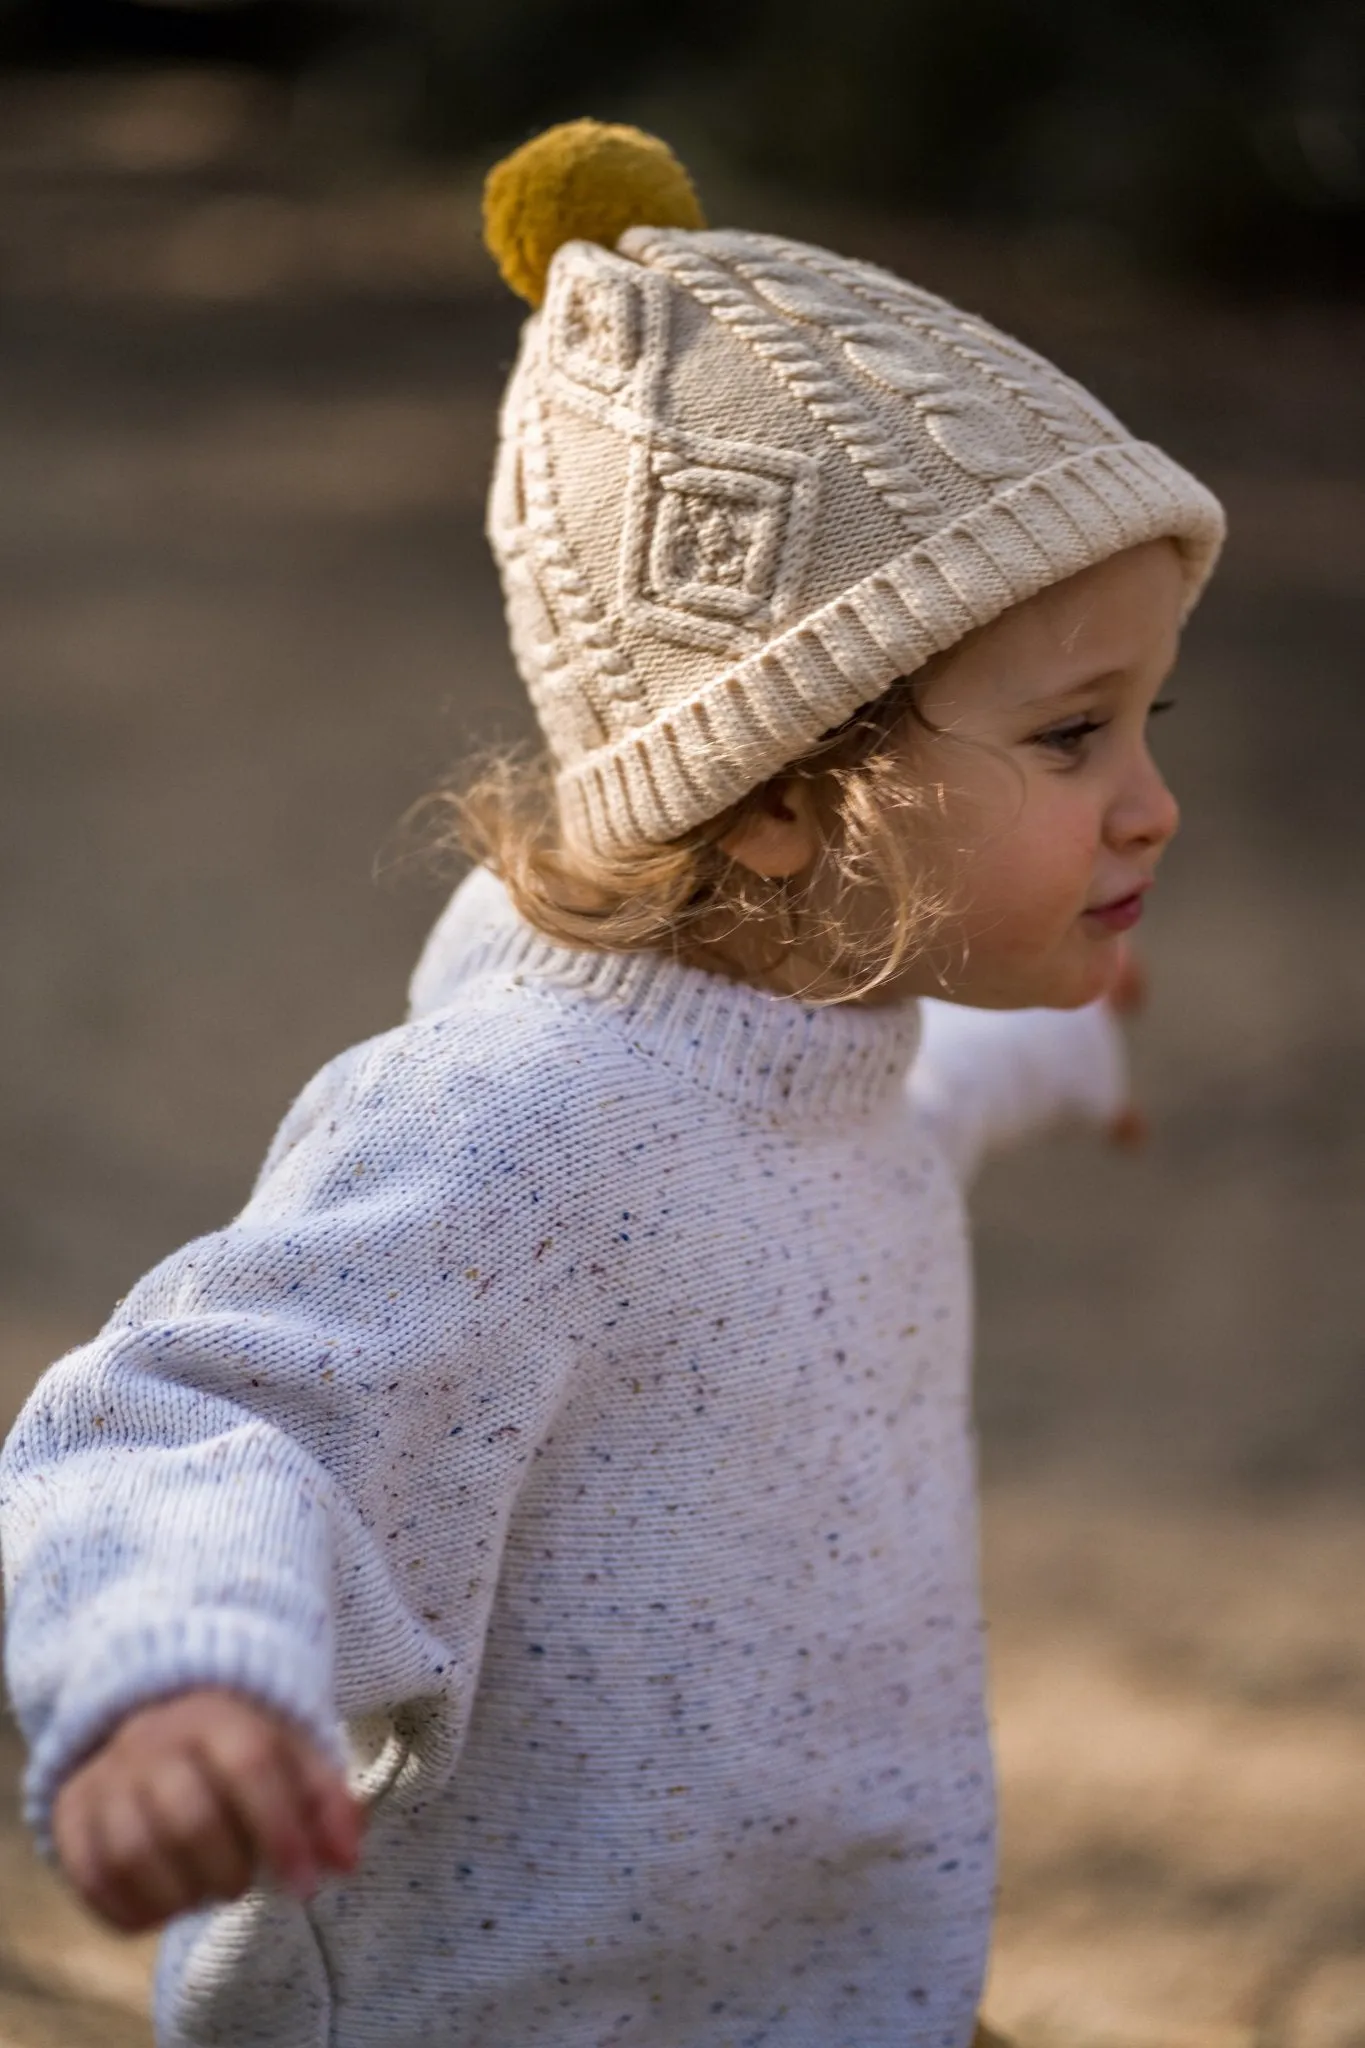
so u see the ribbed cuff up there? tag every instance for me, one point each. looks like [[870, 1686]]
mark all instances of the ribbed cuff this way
[[246, 1652]]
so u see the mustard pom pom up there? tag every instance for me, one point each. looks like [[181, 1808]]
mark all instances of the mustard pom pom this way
[[584, 181]]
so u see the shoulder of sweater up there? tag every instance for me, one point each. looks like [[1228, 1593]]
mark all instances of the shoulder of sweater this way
[[515, 1045], [499, 1068]]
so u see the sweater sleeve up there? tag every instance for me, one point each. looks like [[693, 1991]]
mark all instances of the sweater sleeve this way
[[988, 1078], [232, 1484]]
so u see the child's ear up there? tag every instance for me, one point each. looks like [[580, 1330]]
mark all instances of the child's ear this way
[[778, 837]]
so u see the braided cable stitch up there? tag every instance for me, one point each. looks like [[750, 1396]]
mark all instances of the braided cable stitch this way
[[802, 369], [1016, 370], [570, 592], [1007, 354], [977, 436], [784, 274]]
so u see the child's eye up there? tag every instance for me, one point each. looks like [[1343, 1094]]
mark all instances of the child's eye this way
[[1070, 738]]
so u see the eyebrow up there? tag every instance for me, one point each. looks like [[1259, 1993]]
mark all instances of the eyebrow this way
[[1072, 690]]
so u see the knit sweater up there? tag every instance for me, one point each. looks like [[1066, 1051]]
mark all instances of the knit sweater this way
[[573, 1432]]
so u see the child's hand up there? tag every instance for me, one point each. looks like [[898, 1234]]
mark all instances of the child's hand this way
[[188, 1797], [1127, 994]]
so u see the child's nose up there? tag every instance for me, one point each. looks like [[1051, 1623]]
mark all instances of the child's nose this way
[[1146, 815]]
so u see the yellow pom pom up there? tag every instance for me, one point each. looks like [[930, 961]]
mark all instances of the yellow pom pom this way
[[584, 181]]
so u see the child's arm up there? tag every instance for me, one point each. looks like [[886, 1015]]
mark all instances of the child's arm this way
[[989, 1078], [159, 1536], [227, 1489]]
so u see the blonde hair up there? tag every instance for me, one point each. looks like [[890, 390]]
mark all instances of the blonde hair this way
[[679, 896]]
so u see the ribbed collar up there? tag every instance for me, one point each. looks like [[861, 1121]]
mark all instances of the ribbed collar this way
[[771, 1054]]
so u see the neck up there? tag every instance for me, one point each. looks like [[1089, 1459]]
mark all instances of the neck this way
[[786, 1058], [752, 951]]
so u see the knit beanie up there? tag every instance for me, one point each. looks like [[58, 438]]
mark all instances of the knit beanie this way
[[743, 485]]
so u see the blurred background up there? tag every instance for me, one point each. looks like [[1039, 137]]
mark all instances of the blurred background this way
[[250, 352]]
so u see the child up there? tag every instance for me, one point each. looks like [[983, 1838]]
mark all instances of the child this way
[[565, 1461]]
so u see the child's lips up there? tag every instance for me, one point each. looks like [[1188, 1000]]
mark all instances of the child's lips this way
[[1122, 913]]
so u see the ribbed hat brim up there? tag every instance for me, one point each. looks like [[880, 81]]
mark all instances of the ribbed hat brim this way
[[763, 712]]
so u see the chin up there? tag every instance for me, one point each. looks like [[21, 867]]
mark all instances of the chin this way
[[1064, 976], [1085, 983], [1063, 985]]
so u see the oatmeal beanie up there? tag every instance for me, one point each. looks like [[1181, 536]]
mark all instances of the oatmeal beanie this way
[[743, 484]]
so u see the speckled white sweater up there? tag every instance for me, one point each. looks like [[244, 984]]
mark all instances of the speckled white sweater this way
[[573, 1431]]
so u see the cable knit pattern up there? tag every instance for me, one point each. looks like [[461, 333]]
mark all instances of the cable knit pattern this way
[[573, 1432]]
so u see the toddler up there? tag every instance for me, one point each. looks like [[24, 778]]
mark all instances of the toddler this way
[[560, 1474]]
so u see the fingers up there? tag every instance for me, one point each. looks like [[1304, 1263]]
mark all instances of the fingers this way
[[190, 1799], [113, 1859], [252, 1765], [1129, 1130], [198, 1833], [138, 1881], [334, 1818], [291, 1802]]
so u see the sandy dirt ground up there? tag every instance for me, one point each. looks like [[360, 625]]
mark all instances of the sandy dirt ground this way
[[245, 417]]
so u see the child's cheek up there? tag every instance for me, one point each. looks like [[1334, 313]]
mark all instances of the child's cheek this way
[[1065, 858], [1028, 889]]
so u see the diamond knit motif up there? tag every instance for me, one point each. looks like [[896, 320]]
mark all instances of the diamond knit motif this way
[[709, 541], [596, 332], [715, 539]]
